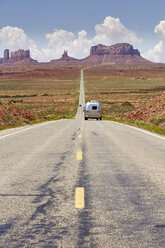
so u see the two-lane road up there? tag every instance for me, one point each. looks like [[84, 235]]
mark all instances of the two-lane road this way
[[76, 183]]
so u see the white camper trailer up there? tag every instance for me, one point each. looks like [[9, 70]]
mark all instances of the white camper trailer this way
[[93, 110]]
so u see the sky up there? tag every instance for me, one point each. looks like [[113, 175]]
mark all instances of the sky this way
[[48, 27]]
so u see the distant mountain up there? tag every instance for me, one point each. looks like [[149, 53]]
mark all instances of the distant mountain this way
[[117, 49], [17, 58], [65, 60], [120, 53]]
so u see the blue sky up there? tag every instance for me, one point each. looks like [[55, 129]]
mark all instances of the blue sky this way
[[63, 19]]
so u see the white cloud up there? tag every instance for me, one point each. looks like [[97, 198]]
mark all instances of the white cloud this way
[[61, 40], [160, 30], [111, 31], [15, 38], [157, 54], [82, 44]]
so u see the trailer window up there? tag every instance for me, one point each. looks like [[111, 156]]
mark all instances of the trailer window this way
[[94, 107]]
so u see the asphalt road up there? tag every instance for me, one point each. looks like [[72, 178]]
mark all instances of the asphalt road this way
[[76, 183]]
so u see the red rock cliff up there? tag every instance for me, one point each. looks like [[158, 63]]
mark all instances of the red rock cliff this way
[[117, 49], [20, 57], [20, 54]]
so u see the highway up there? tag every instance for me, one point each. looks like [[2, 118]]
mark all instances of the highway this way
[[82, 184]]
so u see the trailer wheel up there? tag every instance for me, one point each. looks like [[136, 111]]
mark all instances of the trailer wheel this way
[[86, 118], [100, 118]]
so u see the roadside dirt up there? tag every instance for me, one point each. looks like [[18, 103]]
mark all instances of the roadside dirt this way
[[153, 111], [10, 115]]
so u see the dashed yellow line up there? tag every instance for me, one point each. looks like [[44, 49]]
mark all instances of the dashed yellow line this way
[[79, 198], [80, 136], [79, 155]]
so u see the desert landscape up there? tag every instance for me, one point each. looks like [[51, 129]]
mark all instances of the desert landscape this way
[[120, 53], [130, 94], [31, 94], [82, 124], [130, 87]]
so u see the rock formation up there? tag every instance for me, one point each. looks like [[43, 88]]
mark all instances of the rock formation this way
[[20, 54], [65, 60], [20, 57], [6, 55], [65, 55], [120, 53], [117, 49]]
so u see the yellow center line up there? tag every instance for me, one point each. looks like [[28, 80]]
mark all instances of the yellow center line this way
[[79, 155], [80, 136], [79, 198]]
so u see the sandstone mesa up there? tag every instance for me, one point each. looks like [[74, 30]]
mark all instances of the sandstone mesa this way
[[120, 53]]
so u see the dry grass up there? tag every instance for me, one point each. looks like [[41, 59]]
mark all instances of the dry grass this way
[[47, 92], [123, 88]]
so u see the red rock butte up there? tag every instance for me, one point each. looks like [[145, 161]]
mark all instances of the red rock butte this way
[[20, 57], [120, 54]]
